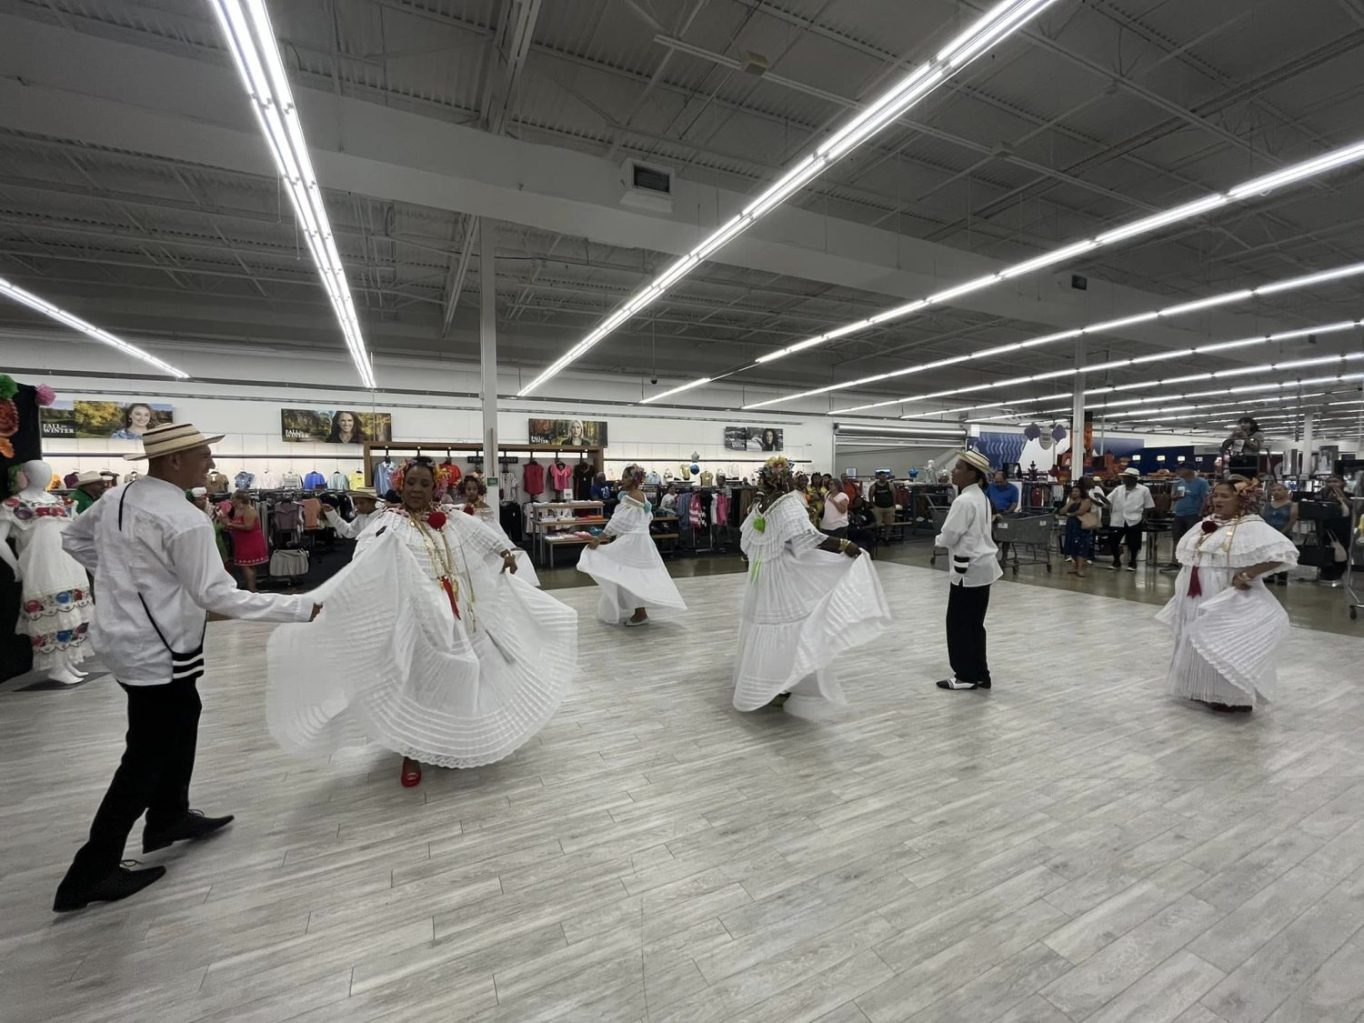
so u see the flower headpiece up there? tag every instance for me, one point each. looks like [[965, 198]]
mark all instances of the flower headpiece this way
[[444, 474], [775, 471], [1250, 495], [632, 474]]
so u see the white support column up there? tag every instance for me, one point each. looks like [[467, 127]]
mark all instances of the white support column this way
[[1309, 458], [487, 350], [1077, 415]]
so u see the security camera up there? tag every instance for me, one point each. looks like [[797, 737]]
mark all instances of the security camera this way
[[653, 380]]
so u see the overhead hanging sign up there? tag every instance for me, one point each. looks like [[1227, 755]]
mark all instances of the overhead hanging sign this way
[[753, 438], [336, 426], [109, 419], [571, 433]]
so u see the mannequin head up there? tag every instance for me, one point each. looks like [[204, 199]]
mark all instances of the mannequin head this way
[[34, 475]]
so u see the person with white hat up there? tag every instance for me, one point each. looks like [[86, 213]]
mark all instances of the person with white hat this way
[[366, 503], [973, 565], [157, 571], [89, 486], [1128, 506]]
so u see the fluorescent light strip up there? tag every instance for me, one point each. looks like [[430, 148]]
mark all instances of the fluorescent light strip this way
[[251, 41], [1289, 175], [88, 329], [1286, 335], [1166, 313], [1003, 19], [944, 431], [676, 390]]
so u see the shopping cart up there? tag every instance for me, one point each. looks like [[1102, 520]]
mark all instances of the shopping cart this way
[[1355, 556], [1029, 539]]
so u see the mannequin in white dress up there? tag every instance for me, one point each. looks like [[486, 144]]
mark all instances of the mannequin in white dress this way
[[56, 604]]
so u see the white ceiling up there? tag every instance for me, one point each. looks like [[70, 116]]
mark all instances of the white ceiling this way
[[1100, 112]]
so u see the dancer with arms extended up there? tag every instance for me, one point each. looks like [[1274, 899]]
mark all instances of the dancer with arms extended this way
[[1226, 625], [431, 645], [626, 564], [810, 598]]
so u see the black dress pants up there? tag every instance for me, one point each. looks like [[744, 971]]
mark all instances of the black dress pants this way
[[966, 607], [154, 775], [1130, 535]]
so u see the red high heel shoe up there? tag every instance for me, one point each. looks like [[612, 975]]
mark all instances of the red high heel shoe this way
[[412, 773]]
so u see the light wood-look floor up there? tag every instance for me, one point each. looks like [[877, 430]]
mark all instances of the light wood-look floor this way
[[1070, 846]]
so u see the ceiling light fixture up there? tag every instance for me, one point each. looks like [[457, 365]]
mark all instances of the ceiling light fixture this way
[[1257, 187], [997, 23], [1164, 313], [251, 39], [1178, 353], [88, 329]]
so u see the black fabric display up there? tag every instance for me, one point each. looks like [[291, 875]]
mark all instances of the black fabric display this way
[[513, 520], [154, 775], [966, 607], [582, 481], [16, 652]]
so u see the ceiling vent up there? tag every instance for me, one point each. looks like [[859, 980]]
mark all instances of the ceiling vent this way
[[647, 186]]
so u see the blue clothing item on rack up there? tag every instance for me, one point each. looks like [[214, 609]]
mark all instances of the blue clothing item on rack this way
[[383, 475], [244, 480], [314, 481]]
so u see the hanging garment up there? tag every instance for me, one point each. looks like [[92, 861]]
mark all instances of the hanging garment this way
[[383, 476], [265, 479], [561, 477], [288, 519], [425, 647], [582, 481], [803, 609], [312, 512], [244, 480], [218, 483], [291, 481], [533, 479], [290, 564], [356, 479], [55, 607], [629, 570], [506, 482], [314, 481], [339, 481]]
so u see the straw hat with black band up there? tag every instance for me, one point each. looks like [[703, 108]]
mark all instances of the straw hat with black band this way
[[171, 439], [975, 460]]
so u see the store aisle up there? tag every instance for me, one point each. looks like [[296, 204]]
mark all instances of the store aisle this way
[[1070, 841]]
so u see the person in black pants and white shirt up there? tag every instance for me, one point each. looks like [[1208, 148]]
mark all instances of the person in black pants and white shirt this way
[[157, 571], [973, 565], [1129, 502]]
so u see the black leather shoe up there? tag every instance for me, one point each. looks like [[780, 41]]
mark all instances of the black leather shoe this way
[[194, 825], [118, 884]]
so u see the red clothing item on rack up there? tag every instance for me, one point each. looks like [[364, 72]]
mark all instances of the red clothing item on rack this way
[[533, 480]]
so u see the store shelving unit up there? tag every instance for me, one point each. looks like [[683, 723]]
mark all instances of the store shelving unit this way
[[546, 526]]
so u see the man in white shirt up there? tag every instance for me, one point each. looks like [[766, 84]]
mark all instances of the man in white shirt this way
[[157, 571], [973, 564], [1128, 503], [366, 506]]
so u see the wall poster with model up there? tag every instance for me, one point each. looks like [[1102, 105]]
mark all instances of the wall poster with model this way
[[336, 426], [753, 438], [111, 419], [571, 433]]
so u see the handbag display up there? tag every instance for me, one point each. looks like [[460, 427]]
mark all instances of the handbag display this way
[[289, 563]]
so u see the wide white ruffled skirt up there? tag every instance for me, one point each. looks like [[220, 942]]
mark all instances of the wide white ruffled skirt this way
[[1225, 639], [801, 612], [387, 662], [630, 574]]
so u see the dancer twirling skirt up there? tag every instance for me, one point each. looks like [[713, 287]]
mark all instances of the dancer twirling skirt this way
[[1226, 624], [626, 565], [810, 598], [429, 645], [475, 493]]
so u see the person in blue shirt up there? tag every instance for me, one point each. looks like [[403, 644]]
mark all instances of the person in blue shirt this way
[[1190, 495], [1004, 496]]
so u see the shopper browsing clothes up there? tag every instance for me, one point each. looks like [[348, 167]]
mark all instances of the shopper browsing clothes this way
[[809, 599], [625, 563], [1226, 625], [431, 646], [1129, 502], [157, 571], [973, 565]]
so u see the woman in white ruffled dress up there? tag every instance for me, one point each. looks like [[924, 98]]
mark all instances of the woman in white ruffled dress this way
[[429, 645], [810, 599], [1226, 624], [56, 606], [625, 563], [475, 493]]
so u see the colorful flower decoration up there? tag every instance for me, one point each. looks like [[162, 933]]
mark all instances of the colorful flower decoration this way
[[436, 520], [46, 395], [9, 414]]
